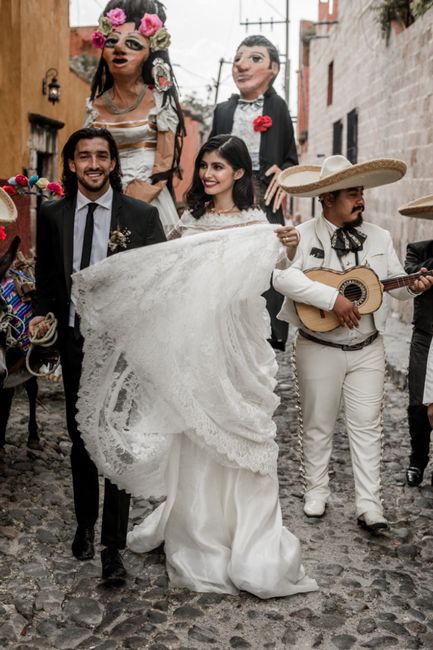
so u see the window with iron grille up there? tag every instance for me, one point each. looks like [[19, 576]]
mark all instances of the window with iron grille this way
[[330, 83], [337, 137], [352, 136]]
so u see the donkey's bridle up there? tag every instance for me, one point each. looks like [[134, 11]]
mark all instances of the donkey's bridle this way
[[12, 327]]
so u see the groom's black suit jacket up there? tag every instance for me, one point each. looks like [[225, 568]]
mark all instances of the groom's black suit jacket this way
[[55, 240]]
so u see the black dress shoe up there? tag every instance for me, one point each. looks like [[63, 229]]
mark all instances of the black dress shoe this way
[[82, 546], [113, 571], [414, 476]]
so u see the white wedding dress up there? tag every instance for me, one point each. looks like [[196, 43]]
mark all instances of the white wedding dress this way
[[177, 398]]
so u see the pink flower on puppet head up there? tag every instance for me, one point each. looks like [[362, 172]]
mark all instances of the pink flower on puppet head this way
[[116, 17], [150, 23], [98, 40], [56, 188]]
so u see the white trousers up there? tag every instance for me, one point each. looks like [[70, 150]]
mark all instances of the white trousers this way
[[327, 376]]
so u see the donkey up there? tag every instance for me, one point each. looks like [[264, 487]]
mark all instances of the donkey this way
[[11, 371]]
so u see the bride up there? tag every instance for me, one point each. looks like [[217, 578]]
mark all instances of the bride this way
[[177, 387]]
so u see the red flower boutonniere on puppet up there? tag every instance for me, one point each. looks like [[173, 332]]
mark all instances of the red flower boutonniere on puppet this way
[[262, 123]]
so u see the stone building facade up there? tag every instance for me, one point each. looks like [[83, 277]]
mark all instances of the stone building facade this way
[[35, 38], [369, 99]]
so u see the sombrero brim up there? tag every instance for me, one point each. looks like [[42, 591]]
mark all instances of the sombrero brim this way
[[8, 211], [304, 180], [421, 208]]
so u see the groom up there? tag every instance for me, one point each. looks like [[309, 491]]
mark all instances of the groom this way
[[93, 220]]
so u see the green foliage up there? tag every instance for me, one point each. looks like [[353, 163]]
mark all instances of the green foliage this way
[[309, 33], [419, 7], [404, 12]]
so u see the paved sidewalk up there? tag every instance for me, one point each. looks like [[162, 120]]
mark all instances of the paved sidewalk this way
[[375, 591]]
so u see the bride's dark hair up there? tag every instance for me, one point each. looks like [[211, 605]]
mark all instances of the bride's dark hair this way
[[103, 80], [235, 152]]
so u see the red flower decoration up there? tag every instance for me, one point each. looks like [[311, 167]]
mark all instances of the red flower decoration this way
[[262, 123], [9, 189], [2, 233], [55, 187], [22, 180]]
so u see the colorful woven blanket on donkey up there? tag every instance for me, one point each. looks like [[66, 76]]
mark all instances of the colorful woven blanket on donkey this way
[[21, 309]]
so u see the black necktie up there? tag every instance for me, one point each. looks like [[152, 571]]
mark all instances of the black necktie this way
[[88, 236], [85, 254], [347, 239]]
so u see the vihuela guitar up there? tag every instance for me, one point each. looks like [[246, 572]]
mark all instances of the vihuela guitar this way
[[360, 284]]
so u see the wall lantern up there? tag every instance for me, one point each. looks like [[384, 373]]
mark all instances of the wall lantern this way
[[51, 88]]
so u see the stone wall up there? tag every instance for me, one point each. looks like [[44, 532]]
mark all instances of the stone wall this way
[[391, 87]]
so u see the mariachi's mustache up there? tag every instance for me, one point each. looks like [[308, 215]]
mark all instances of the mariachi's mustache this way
[[358, 208]]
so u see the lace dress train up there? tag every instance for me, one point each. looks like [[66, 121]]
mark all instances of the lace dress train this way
[[177, 399]]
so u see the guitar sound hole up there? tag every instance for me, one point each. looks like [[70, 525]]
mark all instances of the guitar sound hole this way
[[354, 291]]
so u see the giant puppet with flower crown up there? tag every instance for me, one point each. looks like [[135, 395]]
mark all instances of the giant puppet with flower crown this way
[[133, 95]]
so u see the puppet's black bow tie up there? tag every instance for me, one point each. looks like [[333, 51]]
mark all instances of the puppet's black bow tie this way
[[347, 240], [256, 103]]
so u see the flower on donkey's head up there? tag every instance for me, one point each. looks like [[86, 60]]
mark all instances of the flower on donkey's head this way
[[20, 184], [9, 189], [42, 183], [56, 188], [22, 180], [2, 233]]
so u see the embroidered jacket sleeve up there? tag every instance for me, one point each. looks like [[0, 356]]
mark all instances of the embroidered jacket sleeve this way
[[294, 284]]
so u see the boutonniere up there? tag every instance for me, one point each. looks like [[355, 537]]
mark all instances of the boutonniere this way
[[119, 239], [262, 123]]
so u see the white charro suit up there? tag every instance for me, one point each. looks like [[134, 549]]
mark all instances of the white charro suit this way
[[327, 374]]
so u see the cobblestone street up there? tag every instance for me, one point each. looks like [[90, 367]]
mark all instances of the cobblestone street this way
[[375, 592]]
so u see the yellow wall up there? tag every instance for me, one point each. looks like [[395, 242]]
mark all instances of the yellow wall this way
[[35, 37]]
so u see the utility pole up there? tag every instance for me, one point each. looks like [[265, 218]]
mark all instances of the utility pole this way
[[287, 65], [218, 81], [273, 22]]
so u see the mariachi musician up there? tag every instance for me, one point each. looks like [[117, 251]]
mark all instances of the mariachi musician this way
[[419, 254], [348, 362]]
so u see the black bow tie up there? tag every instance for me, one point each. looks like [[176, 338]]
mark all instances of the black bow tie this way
[[346, 240], [256, 103]]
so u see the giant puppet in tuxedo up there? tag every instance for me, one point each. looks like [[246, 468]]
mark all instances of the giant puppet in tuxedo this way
[[93, 220], [261, 118]]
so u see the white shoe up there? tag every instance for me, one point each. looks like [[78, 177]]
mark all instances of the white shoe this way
[[373, 521], [314, 507]]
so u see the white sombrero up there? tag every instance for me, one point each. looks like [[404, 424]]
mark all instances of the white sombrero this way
[[421, 208], [8, 211], [338, 173]]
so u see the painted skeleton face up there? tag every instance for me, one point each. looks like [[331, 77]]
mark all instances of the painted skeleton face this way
[[126, 50], [253, 71]]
